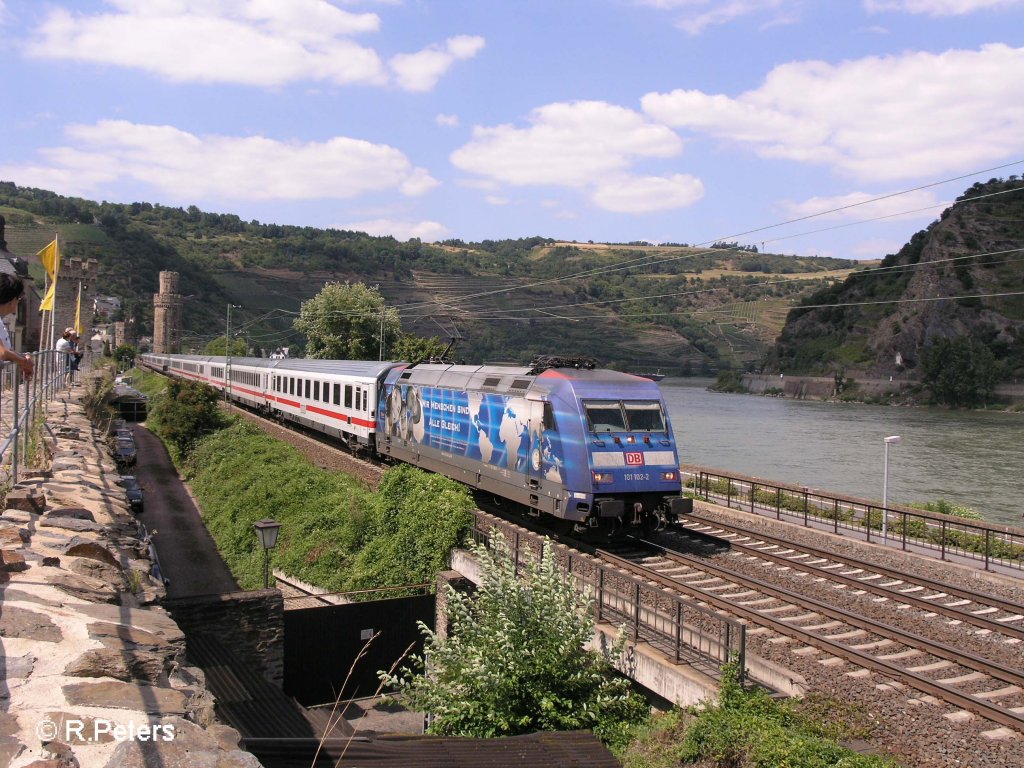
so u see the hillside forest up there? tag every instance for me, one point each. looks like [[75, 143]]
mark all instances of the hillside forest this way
[[683, 309]]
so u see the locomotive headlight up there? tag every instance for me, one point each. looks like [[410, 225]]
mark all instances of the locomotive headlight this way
[[668, 475], [603, 477]]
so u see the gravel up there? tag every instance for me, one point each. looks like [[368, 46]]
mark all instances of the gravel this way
[[910, 726]]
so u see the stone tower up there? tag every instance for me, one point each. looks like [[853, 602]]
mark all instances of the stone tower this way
[[167, 315], [74, 273]]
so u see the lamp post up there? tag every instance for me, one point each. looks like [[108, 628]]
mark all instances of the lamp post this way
[[891, 440], [267, 530]]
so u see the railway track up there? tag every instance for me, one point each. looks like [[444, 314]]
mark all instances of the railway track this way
[[941, 672], [985, 612], [959, 678]]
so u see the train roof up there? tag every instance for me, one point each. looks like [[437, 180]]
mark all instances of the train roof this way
[[371, 368], [510, 379]]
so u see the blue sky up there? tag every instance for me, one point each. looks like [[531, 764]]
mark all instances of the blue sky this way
[[606, 120]]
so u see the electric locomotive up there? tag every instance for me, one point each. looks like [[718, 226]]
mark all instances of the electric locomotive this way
[[589, 446]]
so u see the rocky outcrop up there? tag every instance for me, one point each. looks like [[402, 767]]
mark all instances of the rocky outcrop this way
[[92, 669]]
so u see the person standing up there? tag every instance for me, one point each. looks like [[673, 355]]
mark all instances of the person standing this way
[[11, 290], [66, 346]]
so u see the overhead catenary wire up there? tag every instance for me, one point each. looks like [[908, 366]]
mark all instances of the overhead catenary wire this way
[[630, 263]]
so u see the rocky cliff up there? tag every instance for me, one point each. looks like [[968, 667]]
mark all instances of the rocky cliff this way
[[960, 277]]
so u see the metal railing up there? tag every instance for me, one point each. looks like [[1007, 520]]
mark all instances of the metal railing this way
[[684, 631], [22, 401], [919, 529]]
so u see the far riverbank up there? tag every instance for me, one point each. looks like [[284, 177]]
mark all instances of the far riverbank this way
[[875, 391]]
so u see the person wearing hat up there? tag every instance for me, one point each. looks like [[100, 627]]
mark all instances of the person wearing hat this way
[[11, 291], [66, 345]]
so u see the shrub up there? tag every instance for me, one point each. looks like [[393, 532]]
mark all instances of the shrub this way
[[514, 661]]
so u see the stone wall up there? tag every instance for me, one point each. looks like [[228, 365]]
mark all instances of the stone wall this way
[[92, 669], [251, 624]]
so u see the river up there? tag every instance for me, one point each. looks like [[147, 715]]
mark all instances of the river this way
[[975, 458]]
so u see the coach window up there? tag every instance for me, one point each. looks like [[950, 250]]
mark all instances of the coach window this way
[[316, 390], [337, 394], [307, 389], [348, 395], [291, 385]]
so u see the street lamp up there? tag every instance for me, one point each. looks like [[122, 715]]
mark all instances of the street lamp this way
[[891, 440], [267, 530]]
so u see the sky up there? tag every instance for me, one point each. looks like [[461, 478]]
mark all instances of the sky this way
[[771, 123]]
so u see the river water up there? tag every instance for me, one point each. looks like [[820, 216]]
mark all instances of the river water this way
[[974, 458]]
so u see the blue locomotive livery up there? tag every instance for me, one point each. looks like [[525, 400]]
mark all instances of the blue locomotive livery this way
[[585, 445]]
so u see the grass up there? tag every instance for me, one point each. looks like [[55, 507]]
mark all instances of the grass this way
[[748, 729]]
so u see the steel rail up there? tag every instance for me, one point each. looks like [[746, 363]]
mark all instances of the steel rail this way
[[931, 606], [992, 712]]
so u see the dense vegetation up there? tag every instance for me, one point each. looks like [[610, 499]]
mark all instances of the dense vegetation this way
[[336, 533], [685, 309], [513, 659], [747, 728], [950, 298]]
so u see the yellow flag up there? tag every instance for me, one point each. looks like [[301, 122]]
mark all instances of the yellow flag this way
[[50, 257], [78, 312], [47, 303]]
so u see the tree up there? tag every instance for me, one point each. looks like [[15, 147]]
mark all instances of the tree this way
[[124, 356], [514, 661], [344, 322], [416, 349], [185, 412], [216, 347], [961, 372]]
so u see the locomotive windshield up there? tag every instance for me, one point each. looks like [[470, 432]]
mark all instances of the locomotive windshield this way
[[644, 416], [627, 416]]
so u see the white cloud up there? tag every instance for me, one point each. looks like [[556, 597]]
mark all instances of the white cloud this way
[[417, 183], [191, 168], [936, 7], [581, 145], [860, 206], [251, 42], [648, 193], [427, 231], [578, 145], [420, 71], [700, 14], [448, 121], [880, 118]]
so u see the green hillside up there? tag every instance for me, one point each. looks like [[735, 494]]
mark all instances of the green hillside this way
[[633, 306], [961, 278]]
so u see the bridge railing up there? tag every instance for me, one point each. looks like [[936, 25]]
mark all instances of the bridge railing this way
[[676, 625], [22, 402], [986, 542]]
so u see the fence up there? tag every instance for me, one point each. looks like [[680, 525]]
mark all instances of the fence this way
[[680, 628], [22, 401], [913, 528]]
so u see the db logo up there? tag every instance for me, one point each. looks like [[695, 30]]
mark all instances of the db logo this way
[[634, 459]]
